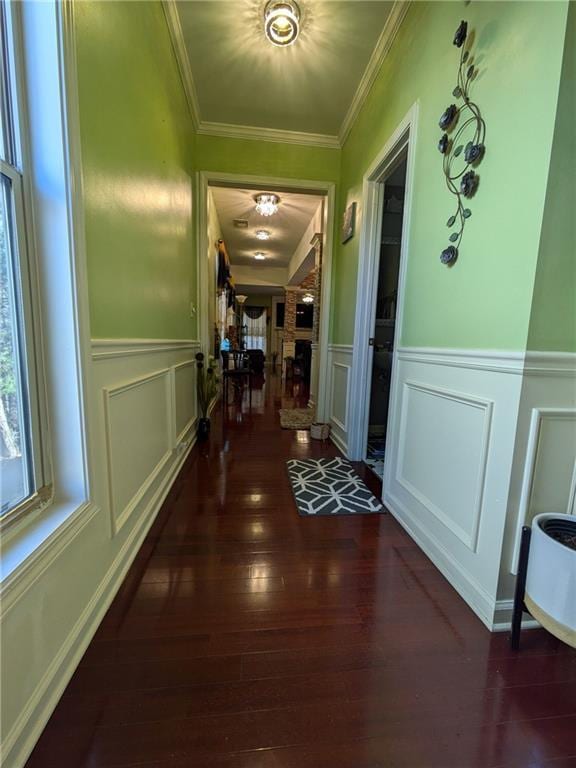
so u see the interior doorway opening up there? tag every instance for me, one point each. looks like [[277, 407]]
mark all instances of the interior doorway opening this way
[[383, 336], [255, 265]]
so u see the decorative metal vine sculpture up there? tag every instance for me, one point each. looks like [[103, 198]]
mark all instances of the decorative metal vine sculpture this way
[[464, 183]]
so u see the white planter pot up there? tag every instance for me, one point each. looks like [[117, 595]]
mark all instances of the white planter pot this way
[[551, 580]]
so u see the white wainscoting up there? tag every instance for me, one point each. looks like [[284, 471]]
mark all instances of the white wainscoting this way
[[440, 426], [339, 368], [544, 469], [148, 395], [142, 415], [450, 445], [478, 442]]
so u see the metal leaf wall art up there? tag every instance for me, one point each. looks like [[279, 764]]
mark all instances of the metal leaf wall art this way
[[459, 122]]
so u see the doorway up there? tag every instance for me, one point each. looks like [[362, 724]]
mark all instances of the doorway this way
[[392, 166], [386, 302], [290, 277]]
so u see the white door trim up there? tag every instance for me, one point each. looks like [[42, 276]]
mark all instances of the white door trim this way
[[203, 181], [404, 137]]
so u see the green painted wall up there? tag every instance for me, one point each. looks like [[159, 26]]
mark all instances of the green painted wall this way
[[553, 320], [266, 158], [484, 300], [137, 164]]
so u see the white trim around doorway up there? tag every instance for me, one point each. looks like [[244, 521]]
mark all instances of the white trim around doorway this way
[[403, 139], [203, 181]]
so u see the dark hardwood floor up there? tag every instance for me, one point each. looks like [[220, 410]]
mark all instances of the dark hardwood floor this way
[[245, 636]]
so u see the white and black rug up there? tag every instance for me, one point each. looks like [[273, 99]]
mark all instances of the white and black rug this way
[[330, 487]]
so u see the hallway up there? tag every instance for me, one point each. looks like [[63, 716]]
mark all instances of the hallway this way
[[245, 636]]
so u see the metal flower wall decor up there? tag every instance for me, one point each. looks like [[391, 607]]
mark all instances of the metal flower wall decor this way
[[458, 122]]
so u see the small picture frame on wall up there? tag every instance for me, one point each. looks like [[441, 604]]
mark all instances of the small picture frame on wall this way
[[348, 223]]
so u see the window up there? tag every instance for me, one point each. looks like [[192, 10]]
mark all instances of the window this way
[[20, 456], [255, 321], [304, 315], [280, 309]]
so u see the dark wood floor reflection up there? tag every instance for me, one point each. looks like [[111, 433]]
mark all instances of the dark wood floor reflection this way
[[245, 636]]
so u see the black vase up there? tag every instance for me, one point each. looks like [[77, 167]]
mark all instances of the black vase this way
[[203, 428]]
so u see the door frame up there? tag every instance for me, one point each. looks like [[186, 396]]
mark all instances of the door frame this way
[[274, 183], [403, 139]]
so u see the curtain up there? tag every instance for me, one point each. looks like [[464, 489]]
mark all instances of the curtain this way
[[255, 337]]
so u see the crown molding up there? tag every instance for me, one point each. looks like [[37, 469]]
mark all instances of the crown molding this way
[[228, 130], [257, 133], [178, 44], [381, 50]]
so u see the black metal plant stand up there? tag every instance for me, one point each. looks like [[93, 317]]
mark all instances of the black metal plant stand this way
[[519, 604]]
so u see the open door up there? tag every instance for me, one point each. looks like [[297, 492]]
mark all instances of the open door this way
[[383, 336]]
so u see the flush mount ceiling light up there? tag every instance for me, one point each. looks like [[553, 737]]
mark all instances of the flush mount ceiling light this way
[[259, 256], [282, 22], [308, 298], [266, 204], [262, 234]]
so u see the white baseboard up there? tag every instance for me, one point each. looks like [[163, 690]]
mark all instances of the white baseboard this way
[[503, 617], [338, 442], [477, 598], [25, 732]]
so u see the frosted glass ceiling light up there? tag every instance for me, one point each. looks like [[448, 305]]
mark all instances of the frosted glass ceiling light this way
[[262, 234], [308, 298], [266, 204], [282, 21], [259, 256]]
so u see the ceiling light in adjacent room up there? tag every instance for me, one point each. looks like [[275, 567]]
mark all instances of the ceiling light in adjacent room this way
[[262, 234], [266, 204], [282, 21], [308, 298], [259, 256]]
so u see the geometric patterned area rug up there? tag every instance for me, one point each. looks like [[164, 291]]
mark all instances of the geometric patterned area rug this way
[[330, 487], [296, 418]]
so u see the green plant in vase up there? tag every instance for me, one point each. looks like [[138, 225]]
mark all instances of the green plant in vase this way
[[207, 387]]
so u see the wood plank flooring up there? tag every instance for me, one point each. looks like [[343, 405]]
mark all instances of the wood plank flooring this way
[[245, 636]]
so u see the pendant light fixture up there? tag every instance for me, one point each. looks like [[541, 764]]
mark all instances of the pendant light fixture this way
[[282, 22], [266, 204]]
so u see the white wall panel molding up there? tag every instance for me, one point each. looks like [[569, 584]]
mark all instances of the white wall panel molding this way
[[478, 359], [346, 349], [110, 348], [505, 361], [548, 483], [340, 365], [185, 407], [443, 432], [550, 363], [139, 439], [449, 455]]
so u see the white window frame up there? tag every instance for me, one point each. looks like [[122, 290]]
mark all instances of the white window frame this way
[[56, 232], [27, 289]]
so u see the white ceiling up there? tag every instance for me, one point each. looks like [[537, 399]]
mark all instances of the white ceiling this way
[[241, 79], [287, 226]]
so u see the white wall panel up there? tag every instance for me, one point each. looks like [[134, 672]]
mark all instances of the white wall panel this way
[[442, 455], [138, 438], [338, 406], [184, 397]]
